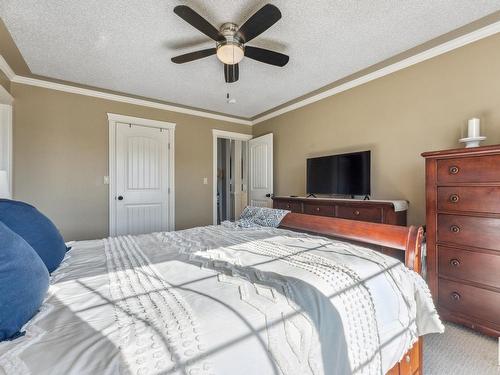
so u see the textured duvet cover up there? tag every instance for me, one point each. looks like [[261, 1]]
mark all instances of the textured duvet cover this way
[[224, 300]]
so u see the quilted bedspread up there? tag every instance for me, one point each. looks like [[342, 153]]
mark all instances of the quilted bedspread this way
[[224, 300]]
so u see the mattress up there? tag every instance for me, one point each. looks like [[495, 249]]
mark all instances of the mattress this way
[[224, 300]]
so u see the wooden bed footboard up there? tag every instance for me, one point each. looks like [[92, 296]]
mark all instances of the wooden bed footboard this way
[[407, 239]]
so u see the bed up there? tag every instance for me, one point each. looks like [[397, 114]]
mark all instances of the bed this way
[[234, 299]]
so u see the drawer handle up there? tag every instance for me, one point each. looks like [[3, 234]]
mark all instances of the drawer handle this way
[[317, 209], [356, 213], [455, 296], [454, 262], [288, 205], [453, 169], [455, 228], [454, 198], [407, 359]]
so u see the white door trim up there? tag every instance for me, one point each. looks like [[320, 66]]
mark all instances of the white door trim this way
[[113, 120], [6, 150], [216, 133], [257, 192]]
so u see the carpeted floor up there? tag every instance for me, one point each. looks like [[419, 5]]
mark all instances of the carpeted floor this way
[[460, 351]]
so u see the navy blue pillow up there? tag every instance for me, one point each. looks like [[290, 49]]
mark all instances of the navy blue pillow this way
[[24, 281], [36, 229]]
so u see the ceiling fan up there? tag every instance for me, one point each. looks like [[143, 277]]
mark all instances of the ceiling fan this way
[[231, 40]]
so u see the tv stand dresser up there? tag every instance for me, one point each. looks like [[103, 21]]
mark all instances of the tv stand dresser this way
[[386, 212]]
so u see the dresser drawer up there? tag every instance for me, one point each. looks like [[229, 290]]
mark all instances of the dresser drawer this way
[[288, 205], [410, 363], [469, 198], [469, 265], [469, 300], [469, 231], [471, 169], [372, 214], [318, 209]]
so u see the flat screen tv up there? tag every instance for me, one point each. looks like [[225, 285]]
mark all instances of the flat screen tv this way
[[344, 174]]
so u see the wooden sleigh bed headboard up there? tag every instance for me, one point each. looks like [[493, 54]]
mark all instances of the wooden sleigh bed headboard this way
[[407, 239]]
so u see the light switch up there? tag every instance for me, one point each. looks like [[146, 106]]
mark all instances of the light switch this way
[[106, 180], [205, 181]]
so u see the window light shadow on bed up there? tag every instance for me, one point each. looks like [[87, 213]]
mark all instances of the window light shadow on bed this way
[[253, 332]]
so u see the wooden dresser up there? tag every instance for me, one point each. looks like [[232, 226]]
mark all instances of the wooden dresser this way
[[352, 209], [463, 235]]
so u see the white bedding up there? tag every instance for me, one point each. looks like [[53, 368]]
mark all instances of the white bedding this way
[[224, 300]]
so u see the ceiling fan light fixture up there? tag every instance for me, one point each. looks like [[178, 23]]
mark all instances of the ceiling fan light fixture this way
[[230, 53]]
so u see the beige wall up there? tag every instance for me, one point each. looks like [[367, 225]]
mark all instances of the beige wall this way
[[4, 81], [421, 108], [61, 156], [61, 139]]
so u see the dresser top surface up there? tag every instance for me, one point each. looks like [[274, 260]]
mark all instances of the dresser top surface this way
[[458, 152], [399, 205]]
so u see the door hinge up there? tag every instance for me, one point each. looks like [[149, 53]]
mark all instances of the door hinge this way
[[169, 146], [168, 190]]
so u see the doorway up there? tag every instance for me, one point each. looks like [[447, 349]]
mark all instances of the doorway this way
[[230, 175], [141, 173]]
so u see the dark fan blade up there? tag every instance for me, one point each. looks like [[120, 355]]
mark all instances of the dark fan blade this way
[[262, 20], [231, 73], [194, 55], [266, 56], [198, 22]]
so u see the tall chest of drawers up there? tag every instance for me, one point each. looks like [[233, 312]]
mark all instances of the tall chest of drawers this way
[[463, 235]]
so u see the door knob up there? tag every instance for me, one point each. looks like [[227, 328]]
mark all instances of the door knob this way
[[120, 198]]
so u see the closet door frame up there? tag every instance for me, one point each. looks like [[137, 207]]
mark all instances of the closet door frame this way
[[114, 120], [225, 135]]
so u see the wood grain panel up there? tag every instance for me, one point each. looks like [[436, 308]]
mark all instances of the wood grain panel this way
[[469, 265], [469, 198], [410, 364], [319, 209], [469, 169], [371, 214], [470, 300], [479, 232], [288, 205]]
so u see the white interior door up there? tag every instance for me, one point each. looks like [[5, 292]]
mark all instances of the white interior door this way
[[142, 173], [261, 170]]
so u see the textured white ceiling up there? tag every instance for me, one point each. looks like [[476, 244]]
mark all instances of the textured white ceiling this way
[[127, 45]]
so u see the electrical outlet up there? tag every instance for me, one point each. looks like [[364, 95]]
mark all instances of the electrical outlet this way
[[106, 180], [205, 181]]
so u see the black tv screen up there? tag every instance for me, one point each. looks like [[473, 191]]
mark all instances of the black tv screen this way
[[345, 174]]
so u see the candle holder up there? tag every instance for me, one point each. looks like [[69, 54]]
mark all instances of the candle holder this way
[[473, 134]]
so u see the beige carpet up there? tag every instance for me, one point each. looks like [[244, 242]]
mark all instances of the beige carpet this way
[[460, 351]]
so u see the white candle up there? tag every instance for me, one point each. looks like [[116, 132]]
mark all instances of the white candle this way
[[474, 130]]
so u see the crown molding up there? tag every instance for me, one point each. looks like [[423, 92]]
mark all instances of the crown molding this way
[[124, 99], [440, 49], [4, 66]]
